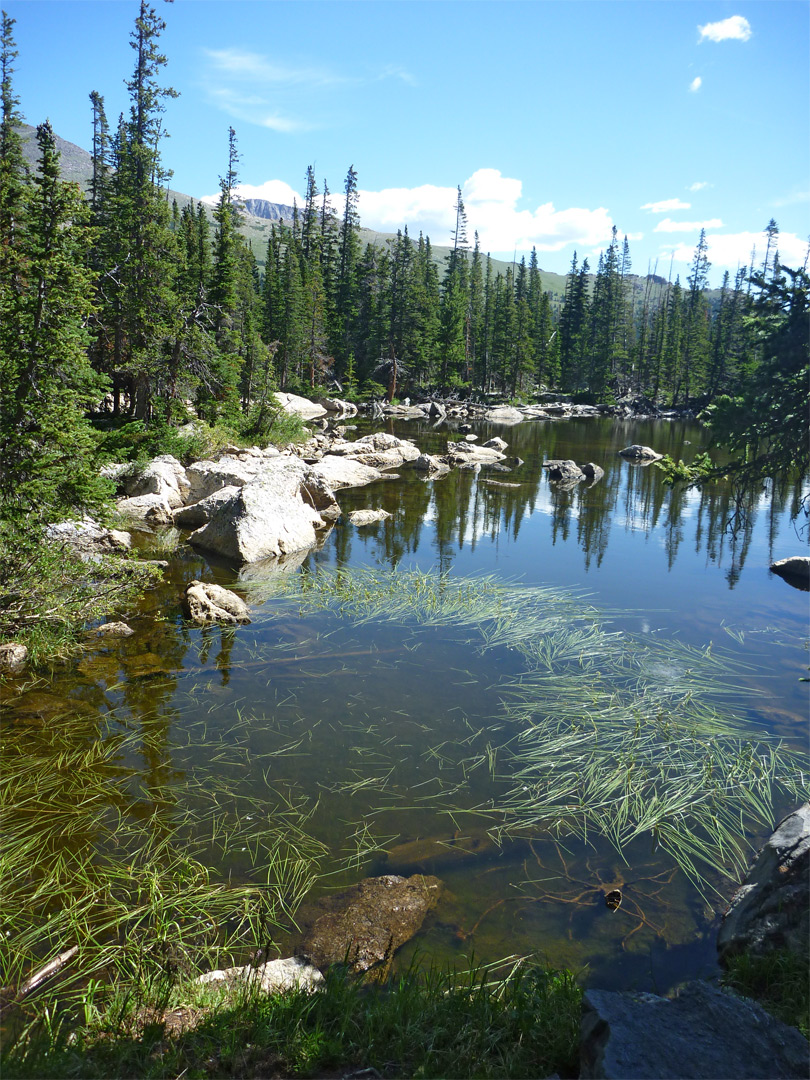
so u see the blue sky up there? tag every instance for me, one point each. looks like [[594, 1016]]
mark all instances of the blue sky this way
[[558, 119]]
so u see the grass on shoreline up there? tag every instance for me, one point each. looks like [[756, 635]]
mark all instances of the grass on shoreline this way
[[429, 1023]]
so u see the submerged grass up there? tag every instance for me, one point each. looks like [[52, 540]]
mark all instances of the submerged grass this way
[[112, 866], [423, 1023], [613, 735]]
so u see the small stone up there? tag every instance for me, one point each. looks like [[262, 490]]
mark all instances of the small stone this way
[[114, 629], [639, 453], [208, 603], [13, 657], [367, 517]]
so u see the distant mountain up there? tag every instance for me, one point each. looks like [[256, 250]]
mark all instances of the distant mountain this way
[[270, 211]]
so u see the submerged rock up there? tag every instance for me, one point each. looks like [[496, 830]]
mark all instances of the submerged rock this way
[[366, 924], [771, 909], [114, 629], [702, 1034], [208, 603]]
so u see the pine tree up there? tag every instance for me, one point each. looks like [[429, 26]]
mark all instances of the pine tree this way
[[46, 461]]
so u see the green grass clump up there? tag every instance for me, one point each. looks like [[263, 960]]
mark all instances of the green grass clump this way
[[778, 980], [419, 1024]]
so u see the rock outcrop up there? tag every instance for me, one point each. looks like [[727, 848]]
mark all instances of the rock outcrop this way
[[163, 476], [702, 1034], [367, 923], [771, 909]]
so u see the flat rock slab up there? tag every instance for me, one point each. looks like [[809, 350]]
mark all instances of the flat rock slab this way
[[366, 924], [771, 909], [702, 1034]]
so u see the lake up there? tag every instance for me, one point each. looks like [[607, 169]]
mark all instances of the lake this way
[[389, 744]]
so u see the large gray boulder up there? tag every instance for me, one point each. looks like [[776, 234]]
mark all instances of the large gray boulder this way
[[702, 1034], [152, 510], [340, 472], [206, 477], [337, 406], [200, 513], [300, 406], [163, 476], [367, 923], [464, 453], [432, 466], [379, 451], [504, 414], [275, 515], [771, 909]]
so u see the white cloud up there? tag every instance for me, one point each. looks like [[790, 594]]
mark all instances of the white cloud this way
[[276, 191], [491, 202], [667, 225], [734, 249], [735, 28], [695, 84], [664, 206], [699, 185]]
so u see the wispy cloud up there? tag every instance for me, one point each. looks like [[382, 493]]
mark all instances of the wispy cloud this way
[[255, 109], [666, 206], [793, 199], [256, 68], [699, 185], [735, 28], [668, 225], [394, 71], [695, 84]]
